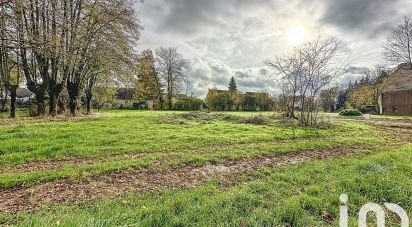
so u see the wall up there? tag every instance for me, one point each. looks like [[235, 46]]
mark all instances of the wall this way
[[397, 102]]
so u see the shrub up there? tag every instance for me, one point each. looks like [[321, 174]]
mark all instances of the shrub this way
[[256, 120], [192, 104], [196, 115], [350, 113]]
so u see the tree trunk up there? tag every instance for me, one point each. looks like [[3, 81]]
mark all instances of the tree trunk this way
[[61, 105], [89, 93], [74, 102], [13, 95], [74, 99], [41, 105], [169, 102], [3, 104], [89, 104], [54, 98], [161, 102]]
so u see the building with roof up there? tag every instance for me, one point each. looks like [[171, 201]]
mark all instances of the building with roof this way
[[396, 99]]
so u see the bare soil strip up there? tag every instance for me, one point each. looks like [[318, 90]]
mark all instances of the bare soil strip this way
[[152, 179], [55, 164]]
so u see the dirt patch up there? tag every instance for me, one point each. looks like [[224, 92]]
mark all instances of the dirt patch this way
[[152, 179]]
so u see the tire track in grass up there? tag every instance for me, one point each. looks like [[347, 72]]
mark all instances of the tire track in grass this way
[[153, 179], [55, 164]]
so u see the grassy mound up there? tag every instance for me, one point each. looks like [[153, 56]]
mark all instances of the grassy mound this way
[[350, 113], [202, 117], [256, 120], [196, 115]]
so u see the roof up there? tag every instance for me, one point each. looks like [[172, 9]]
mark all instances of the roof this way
[[218, 91], [23, 93], [400, 79], [125, 93]]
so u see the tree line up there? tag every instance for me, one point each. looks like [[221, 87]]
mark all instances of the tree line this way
[[234, 100], [57, 45], [67, 52]]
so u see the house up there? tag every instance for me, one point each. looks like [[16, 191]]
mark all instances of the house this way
[[125, 97], [396, 99], [23, 98], [24, 95]]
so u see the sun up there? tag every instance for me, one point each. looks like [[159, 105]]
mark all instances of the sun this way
[[296, 36]]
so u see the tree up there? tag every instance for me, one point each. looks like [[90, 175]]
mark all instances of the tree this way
[[378, 80], [9, 70], [362, 96], [148, 83], [342, 100], [328, 99], [398, 48], [104, 93], [370, 87], [232, 93], [111, 25], [61, 43], [191, 103], [170, 65], [232, 85], [249, 103], [44, 34], [304, 74]]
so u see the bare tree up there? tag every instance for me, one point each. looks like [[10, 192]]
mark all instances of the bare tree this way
[[378, 79], [9, 70], [57, 41], [290, 68], [398, 48], [304, 74], [170, 64]]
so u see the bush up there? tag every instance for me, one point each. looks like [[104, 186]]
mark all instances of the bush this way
[[256, 120], [351, 113], [196, 115], [192, 104]]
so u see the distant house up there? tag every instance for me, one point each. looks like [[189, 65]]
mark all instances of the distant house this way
[[125, 97], [24, 95], [396, 99]]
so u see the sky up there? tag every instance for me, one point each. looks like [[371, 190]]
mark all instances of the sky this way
[[224, 38]]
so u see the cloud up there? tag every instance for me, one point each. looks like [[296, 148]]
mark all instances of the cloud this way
[[220, 39], [207, 73], [371, 17]]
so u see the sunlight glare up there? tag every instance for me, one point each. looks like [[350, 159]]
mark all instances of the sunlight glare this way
[[296, 36]]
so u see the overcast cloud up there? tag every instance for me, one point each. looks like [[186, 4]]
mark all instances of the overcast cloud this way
[[220, 39]]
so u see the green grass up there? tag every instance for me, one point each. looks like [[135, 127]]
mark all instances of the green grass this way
[[299, 194], [122, 132], [275, 196]]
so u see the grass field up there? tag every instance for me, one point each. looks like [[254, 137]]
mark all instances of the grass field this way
[[134, 168]]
